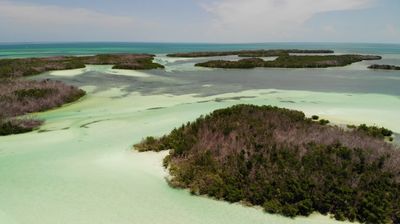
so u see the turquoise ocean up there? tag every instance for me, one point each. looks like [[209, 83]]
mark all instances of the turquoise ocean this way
[[12, 50]]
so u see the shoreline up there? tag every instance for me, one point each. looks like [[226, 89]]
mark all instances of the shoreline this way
[[71, 163]]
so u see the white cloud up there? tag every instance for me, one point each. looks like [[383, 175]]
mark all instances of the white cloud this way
[[271, 19], [392, 30], [226, 21], [329, 29], [55, 15], [34, 22]]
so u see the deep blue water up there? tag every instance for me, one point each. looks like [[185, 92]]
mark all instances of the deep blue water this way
[[13, 50]]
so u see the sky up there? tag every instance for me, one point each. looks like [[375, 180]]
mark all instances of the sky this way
[[216, 21]]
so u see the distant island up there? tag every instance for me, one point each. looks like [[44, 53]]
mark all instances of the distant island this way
[[33, 66], [250, 53], [287, 163], [384, 67], [291, 61], [292, 58], [19, 97]]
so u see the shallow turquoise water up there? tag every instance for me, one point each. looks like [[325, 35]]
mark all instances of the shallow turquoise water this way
[[79, 167]]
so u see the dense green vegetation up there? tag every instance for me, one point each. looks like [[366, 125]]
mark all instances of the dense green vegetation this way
[[290, 61], [323, 122], [19, 97], [250, 53], [142, 64], [287, 163], [11, 127], [35, 93], [384, 67], [378, 132], [34, 66], [8, 128], [315, 117], [10, 68]]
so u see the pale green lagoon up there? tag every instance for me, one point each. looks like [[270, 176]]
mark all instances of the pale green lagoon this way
[[79, 168]]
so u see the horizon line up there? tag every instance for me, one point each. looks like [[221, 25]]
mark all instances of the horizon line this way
[[184, 42]]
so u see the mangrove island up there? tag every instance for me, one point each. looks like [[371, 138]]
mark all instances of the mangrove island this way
[[291, 58], [33, 66], [291, 61], [285, 162], [384, 67], [249, 53], [19, 97]]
